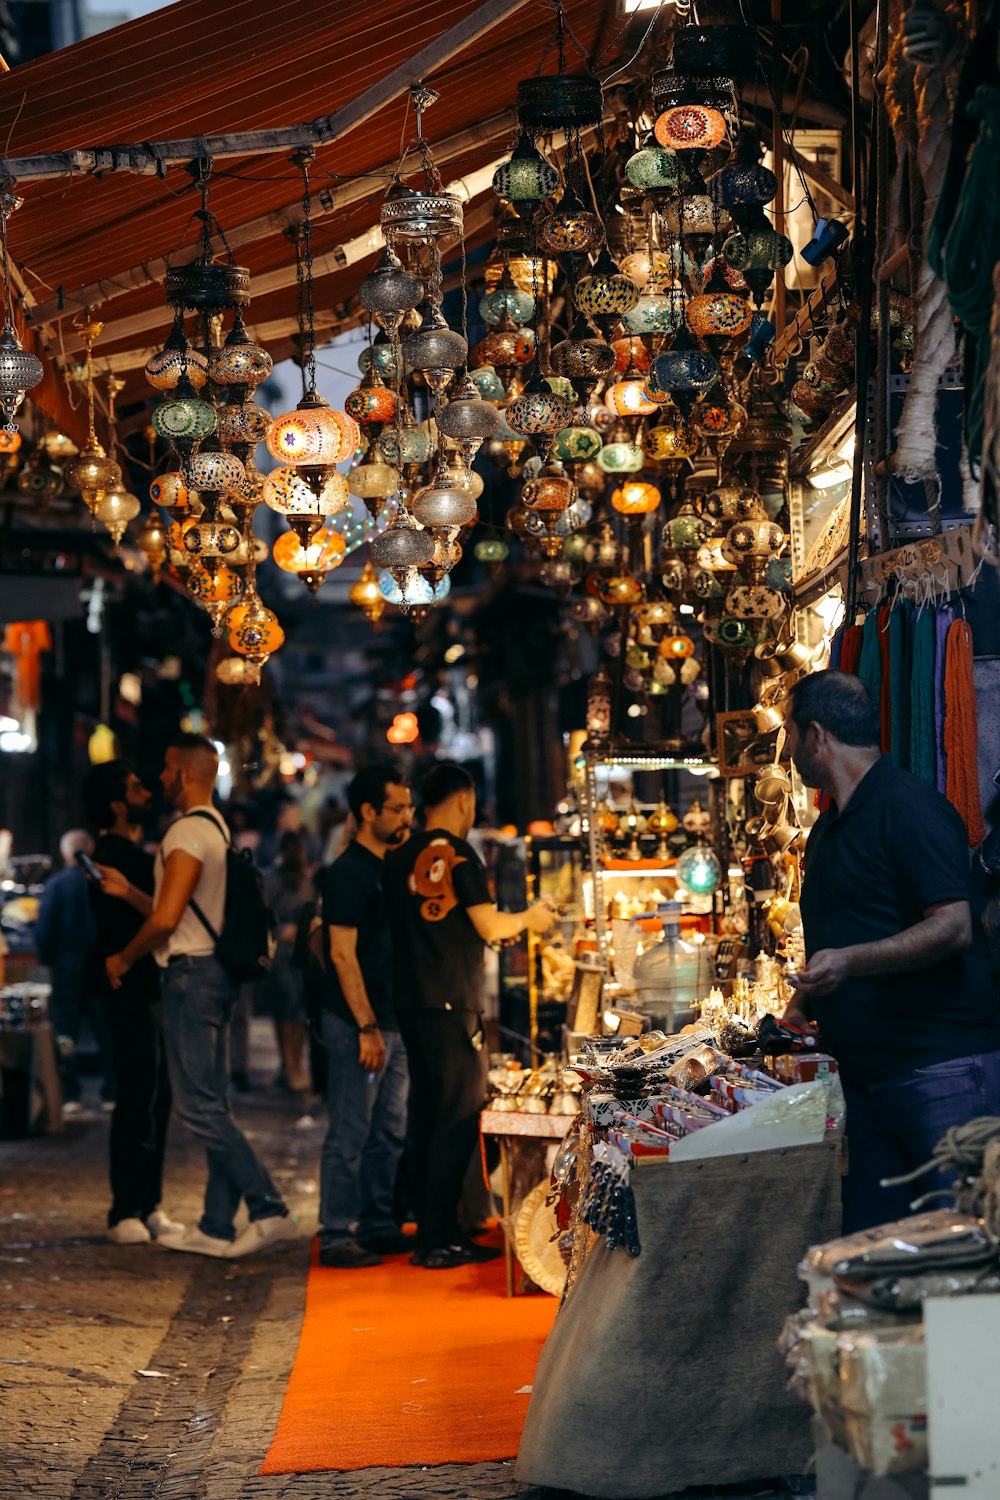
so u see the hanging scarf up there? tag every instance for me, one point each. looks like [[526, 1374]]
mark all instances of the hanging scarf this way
[[850, 649], [885, 700], [900, 648], [870, 666], [942, 625], [837, 647], [922, 757], [961, 734]]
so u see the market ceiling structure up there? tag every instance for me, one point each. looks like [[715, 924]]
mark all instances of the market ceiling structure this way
[[193, 71]]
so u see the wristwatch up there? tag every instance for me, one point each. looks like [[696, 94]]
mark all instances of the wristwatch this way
[[367, 1030]]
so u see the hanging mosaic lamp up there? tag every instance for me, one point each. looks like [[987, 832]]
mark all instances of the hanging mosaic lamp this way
[[493, 551], [241, 426], [508, 349], [313, 436], [444, 504], [718, 314], [214, 472], [538, 411], [722, 419], [620, 455], [654, 168], [92, 473], [401, 548], [686, 531], [630, 351], [171, 491], [627, 398], [311, 561], [383, 356], [20, 370], [254, 631], [576, 444], [682, 375], [152, 543], [365, 594], [757, 252], [467, 418], [410, 216], [372, 403], [215, 592], [507, 299], [754, 542], [733, 502], [526, 179], [405, 442], [183, 418], [636, 498], [690, 127], [569, 229], [658, 311], [209, 540], [745, 184], [436, 350], [645, 266], [304, 509], [388, 291], [670, 438], [605, 295], [239, 365], [117, 509], [164, 368], [488, 384], [372, 480], [583, 359], [755, 601]]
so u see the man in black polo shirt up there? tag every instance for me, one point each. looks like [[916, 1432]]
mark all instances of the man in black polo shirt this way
[[442, 917], [366, 1070], [902, 997]]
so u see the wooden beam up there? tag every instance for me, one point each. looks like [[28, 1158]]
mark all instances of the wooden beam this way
[[326, 202]]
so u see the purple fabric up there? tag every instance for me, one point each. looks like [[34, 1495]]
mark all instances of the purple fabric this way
[[945, 620]]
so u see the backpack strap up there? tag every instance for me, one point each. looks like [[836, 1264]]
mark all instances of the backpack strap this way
[[198, 813]]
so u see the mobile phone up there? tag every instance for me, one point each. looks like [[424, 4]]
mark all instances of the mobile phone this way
[[87, 865]]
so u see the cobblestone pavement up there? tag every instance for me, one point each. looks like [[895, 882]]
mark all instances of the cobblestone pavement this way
[[129, 1373]]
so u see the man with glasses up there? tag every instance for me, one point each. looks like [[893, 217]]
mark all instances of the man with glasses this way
[[367, 1080]]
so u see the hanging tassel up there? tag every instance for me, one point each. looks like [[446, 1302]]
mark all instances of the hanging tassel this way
[[961, 733], [922, 760]]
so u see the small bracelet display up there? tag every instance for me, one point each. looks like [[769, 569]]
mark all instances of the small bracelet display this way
[[367, 1030]]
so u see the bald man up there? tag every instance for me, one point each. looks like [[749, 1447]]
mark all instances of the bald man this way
[[198, 1000]]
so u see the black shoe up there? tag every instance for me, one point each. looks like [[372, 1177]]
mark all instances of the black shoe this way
[[450, 1256], [240, 1082], [479, 1252], [418, 1257], [387, 1242], [347, 1255]]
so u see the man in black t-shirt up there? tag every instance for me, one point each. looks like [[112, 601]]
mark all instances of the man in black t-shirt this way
[[367, 1083], [900, 992], [442, 915], [116, 801]]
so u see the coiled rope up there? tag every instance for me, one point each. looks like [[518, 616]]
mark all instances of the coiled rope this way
[[973, 1151]]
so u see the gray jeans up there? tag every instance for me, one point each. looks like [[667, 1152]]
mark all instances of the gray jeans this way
[[198, 1001]]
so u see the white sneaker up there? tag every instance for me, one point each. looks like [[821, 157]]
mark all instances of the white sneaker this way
[[72, 1107], [195, 1243], [129, 1232], [158, 1223], [260, 1234]]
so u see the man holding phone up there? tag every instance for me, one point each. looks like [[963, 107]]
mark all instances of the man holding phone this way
[[900, 992]]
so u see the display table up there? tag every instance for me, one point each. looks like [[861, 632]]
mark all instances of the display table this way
[[30, 1094], [663, 1371], [511, 1129]]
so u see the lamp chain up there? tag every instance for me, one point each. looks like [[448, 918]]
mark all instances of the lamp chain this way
[[309, 351]]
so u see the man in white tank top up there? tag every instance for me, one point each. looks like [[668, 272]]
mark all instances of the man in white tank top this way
[[198, 1000]]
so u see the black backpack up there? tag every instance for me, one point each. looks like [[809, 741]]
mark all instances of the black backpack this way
[[245, 946]]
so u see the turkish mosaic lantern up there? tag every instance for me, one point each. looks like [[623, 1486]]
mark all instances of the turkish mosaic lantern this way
[[657, 311], [682, 375], [552, 492], [382, 357], [254, 631], [732, 502], [313, 436], [627, 398], [690, 127], [749, 601], [718, 314], [654, 168], [239, 363], [757, 253], [576, 444], [215, 592], [538, 411], [582, 359], [526, 178], [630, 354], [744, 184], [488, 384], [242, 425], [508, 348], [621, 456], [686, 531], [177, 358], [507, 300], [636, 498], [676, 647], [754, 541], [171, 491], [215, 471], [605, 295], [310, 561], [720, 420], [372, 402], [570, 229], [670, 438]]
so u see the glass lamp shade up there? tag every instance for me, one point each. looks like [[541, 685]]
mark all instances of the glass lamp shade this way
[[235, 671], [620, 458], [184, 418], [507, 300], [627, 398], [467, 417], [488, 383], [288, 494], [410, 446], [435, 346], [677, 646], [698, 870], [365, 594], [417, 591], [526, 177], [215, 472], [570, 229], [319, 555], [704, 583], [732, 502], [239, 361], [165, 368], [92, 474], [743, 185], [656, 312], [716, 556], [507, 348], [560, 385], [39, 480], [538, 411], [643, 266], [760, 249], [211, 539], [313, 436], [622, 589], [718, 315], [636, 498], [719, 419], [563, 524], [388, 291], [372, 480], [220, 587], [630, 354], [693, 214], [383, 359], [10, 442], [371, 401], [605, 292], [582, 357], [242, 423], [689, 127], [574, 445], [552, 492], [402, 545], [491, 550], [171, 491], [152, 542], [116, 510], [686, 531], [778, 575], [754, 601], [254, 631], [755, 539], [671, 438], [443, 504], [654, 168], [680, 370]]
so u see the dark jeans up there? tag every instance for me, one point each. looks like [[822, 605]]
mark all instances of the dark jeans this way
[[893, 1127], [69, 1002], [364, 1137], [142, 1104], [447, 1092], [198, 1002]]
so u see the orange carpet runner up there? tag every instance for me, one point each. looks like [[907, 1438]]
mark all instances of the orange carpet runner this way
[[399, 1367]]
